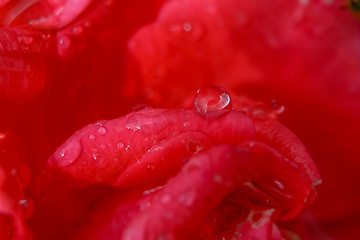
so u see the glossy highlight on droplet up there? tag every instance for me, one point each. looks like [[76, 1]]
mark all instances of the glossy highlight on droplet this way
[[212, 101]]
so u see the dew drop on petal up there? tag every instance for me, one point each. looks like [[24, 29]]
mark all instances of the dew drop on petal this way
[[64, 42], [187, 27], [140, 107], [259, 114], [151, 166], [212, 101], [193, 146], [27, 206], [277, 108], [67, 154], [28, 40], [91, 137], [101, 130], [119, 145], [78, 29]]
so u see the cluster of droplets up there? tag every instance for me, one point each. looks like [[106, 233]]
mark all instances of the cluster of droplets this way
[[212, 101]]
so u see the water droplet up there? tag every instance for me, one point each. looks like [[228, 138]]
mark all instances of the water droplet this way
[[102, 146], [95, 156], [277, 107], [28, 40], [186, 124], [140, 107], [99, 124], [64, 42], [187, 198], [259, 114], [67, 154], [91, 137], [27, 206], [101, 130], [193, 146], [279, 184], [151, 166], [187, 27], [78, 29], [46, 36], [188, 31], [119, 145], [127, 147], [212, 101]]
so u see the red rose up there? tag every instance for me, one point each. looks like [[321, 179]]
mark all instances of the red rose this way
[[216, 158], [68, 63]]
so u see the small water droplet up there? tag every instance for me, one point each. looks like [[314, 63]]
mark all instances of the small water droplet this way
[[187, 27], [187, 198], [127, 147], [95, 156], [151, 166], [119, 145], [91, 137], [64, 42], [259, 114], [101, 130], [46, 36], [28, 40], [186, 124], [212, 101], [27, 206], [277, 107], [193, 146], [78, 29], [140, 107]]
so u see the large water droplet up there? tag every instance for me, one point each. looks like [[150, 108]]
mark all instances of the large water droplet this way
[[67, 154], [212, 101]]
